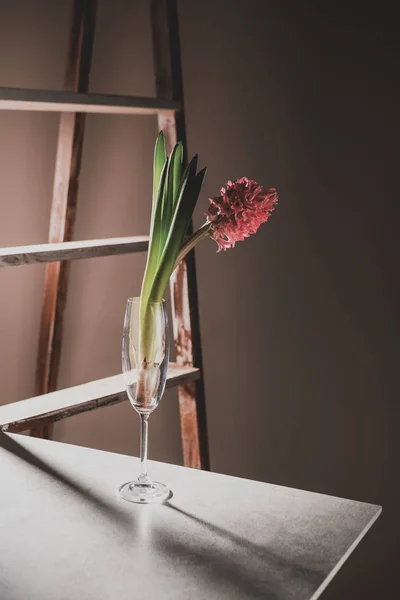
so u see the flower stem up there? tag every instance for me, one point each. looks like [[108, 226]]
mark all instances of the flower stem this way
[[200, 234]]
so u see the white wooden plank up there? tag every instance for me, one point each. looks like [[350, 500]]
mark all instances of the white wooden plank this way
[[45, 253], [63, 101], [22, 415]]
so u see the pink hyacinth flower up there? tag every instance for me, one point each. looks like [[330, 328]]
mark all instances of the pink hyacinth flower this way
[[239, 211]]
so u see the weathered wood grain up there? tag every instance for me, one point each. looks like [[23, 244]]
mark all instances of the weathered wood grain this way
[[34, 412], [69, 101], [183, 284], [65, 194], [46, 253]]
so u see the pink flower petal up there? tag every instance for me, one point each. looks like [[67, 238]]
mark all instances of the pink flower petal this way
[[239, 211]]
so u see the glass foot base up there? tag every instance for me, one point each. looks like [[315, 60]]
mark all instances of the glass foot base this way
[[144, 493]]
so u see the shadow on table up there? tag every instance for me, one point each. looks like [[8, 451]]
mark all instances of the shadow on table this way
[[12, 446], [230, 562], [257, 571]]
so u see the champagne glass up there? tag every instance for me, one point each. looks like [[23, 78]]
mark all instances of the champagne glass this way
[[145, 383]]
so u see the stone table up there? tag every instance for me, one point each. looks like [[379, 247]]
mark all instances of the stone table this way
[[65, 534]]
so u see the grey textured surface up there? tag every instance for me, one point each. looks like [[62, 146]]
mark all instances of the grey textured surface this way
[[65, 535]]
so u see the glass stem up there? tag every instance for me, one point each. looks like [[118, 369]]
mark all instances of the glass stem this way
[[144, 435]]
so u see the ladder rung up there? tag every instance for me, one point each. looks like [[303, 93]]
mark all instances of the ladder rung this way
[[61, 101], [46, 253], [22, 415]]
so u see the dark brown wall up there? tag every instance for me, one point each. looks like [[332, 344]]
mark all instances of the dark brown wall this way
[[301, 332], [300, 326]]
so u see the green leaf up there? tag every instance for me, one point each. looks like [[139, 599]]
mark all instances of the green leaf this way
[[160, 156], [160, 159], [171, 188], [174, 199], [155, 242], [160, 163], [189, 194], [177, 171]]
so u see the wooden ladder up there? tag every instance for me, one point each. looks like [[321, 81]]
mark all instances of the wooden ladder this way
[[39, 413]]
